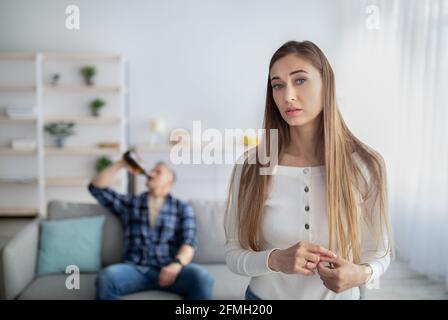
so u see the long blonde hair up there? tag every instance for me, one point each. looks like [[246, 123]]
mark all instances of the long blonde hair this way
[[342, 171]]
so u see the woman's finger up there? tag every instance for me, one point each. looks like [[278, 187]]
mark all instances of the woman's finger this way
[[328, 259], [325, 271], [312, 257], [315, 248], [311, 265], [335, 261]]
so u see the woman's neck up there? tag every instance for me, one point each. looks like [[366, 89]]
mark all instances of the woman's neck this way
[[304, 144]]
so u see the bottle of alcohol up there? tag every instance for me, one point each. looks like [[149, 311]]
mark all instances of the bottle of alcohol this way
[[131, 159]]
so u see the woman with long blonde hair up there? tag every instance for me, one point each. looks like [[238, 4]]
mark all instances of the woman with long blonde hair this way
[[318, 226]]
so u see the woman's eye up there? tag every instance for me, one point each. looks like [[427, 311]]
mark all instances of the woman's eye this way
[[300, 81], [276, 86]]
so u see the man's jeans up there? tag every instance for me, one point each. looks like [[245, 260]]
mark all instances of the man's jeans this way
[[193, 282]]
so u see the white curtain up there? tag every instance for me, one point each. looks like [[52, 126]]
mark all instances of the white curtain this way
[[392, 76]]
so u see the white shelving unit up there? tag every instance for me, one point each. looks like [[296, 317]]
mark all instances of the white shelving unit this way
[[18, 74], [61, 174]]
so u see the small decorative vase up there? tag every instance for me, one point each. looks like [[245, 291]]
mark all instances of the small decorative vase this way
[[60, 142], [89, 81], [55, 79]]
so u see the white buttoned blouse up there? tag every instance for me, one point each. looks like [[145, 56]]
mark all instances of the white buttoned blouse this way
[[295, 210]]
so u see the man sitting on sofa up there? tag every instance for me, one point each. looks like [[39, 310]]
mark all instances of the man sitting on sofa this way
[[159, 239]]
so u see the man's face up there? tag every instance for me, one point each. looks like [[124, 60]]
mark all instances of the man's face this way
[[161, 177]]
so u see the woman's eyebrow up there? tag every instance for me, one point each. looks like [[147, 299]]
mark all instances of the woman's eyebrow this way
[[294, 72]]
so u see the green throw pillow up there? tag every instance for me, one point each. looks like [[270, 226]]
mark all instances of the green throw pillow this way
[[70, 242]]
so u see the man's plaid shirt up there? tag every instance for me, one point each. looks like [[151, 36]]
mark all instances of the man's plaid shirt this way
[[147, 245]]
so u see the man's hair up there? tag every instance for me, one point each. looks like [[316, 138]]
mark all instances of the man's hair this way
[[163, 163]]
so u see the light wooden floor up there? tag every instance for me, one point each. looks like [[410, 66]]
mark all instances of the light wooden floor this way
[[400, 283]]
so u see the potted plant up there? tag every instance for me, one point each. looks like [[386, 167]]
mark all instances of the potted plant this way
[[88, 72], [96, 105], [60, 130], [102, 163]]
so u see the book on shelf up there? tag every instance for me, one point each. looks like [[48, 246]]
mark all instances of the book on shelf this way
[[20, 112], [22, 179], [115, 145], [23, 144]]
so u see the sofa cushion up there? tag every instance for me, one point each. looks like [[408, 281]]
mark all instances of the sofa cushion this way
[[70, 242], [52, 287], [152, 295], [210, 230], [228, 285], [112, 243]]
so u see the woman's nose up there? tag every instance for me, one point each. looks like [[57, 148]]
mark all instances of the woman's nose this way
[[290, 94]]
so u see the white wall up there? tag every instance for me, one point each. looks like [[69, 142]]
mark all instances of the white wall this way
[[188, 60]]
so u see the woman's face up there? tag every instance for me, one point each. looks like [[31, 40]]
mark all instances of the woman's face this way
[[297, 90]]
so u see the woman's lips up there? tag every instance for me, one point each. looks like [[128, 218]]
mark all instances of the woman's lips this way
[[294, 112]]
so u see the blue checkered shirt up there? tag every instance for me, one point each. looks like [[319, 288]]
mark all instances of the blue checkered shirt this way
[[145, 245]]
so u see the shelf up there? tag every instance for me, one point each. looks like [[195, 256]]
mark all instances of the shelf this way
[[11, 182], [4, 151], [84, 120], [18, 212], [81, 88], [81, 57], [38, 67], [17, 88], [167, 148], [4, 119], [80, 151], [71, 182], [153, 148], [17, 56]]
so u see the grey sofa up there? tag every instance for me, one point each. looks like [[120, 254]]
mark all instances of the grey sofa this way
[[19, 255]]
